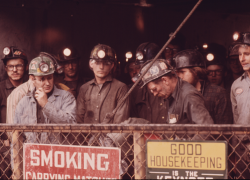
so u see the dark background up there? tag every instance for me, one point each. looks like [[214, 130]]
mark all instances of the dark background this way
[[48, 25]]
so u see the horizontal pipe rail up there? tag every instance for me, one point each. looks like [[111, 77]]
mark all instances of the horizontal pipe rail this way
[[130, 127]]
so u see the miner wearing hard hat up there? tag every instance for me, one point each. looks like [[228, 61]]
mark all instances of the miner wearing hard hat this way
[[143, 104], [45, 104], [102, 94], [15, 61], [240, 103], [69, 59], [190, 66], [186, 104]]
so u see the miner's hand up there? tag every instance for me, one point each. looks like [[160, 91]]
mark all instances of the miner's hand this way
[[41, 97]]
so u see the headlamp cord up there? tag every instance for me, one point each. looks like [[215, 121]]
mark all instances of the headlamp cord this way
[[109, 116]]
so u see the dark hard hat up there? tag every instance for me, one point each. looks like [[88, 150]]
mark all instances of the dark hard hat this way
[[102, 52], [189, 58], [146, 51], [68, 54], [239, 40], [215, 54], [13, 52], [215, 59], [158, 69]]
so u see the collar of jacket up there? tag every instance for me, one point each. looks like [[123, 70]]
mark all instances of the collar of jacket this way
[[51, 98], [109, 79], [8, 84], [176, 89], [244, 75], [142, 95]]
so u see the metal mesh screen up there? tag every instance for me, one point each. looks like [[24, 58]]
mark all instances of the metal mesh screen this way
[[130, 139]]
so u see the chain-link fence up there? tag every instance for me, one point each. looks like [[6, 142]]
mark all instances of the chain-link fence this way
[[130, 139]]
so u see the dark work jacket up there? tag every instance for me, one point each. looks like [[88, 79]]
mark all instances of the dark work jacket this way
[[143, 104], [93, 102], [79, 83], [218, 104], [187, 105], [6, 88]]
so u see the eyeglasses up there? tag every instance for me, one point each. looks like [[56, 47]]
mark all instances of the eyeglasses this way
[[216, 72], [171, 51], [18, 67]]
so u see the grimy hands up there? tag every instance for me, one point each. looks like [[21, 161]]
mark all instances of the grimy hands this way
[[41, 97]]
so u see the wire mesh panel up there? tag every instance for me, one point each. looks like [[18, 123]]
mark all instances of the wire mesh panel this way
[[131, 139]]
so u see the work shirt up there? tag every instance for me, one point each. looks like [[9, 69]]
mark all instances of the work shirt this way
[[217, 104], [13, 99], [94, 101], [186, 105], [6, 88], [60, 109], [240, 95], [143, 104]]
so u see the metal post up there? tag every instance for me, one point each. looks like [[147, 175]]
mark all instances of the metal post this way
[[139, 155], [17, 155]]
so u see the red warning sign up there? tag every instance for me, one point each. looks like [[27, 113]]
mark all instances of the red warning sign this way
[[70, 162]]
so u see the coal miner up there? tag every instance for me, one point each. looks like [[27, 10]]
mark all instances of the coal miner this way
[[45, 104], [186, 104], [143, 104], [15, 61], [240, 103], [102, 94], [190, 67], [70, 61]]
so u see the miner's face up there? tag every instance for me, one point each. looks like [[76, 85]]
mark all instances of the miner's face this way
[[171, 51], [70, 68], [244, 57], [45, 82], [133, 69], [101, 69], [215, 74], [15, 69], [186, 75], [160, 88]]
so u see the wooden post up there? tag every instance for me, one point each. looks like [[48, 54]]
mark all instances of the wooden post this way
[[17, 155], [139, 156]]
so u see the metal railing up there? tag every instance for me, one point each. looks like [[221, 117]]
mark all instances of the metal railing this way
[[131, 139]]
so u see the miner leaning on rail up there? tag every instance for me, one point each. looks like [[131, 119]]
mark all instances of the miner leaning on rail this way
[[45, 104]]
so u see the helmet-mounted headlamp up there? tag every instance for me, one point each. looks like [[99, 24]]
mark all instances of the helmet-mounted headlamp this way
[[210, 57], [44, 67], [6, 51], [101, 54], [67, 52], [236, 36], [139, 56], [129, 55], [205, 46]]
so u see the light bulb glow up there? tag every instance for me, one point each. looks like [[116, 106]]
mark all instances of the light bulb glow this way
[[205, 46], [44, 67], [139, 56], [6, 51], [101, 54], [129, 55], [67, 52], [210, 57], [236, 36]]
